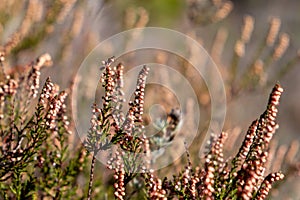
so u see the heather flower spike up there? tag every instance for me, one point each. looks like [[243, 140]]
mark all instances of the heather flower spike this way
[[253, 154], [110, 127]]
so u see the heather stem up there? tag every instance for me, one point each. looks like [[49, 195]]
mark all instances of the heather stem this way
[[91, 177]]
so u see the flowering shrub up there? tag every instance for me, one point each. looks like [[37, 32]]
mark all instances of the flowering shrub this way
[[34, 154], [243, 176], [37, 160]]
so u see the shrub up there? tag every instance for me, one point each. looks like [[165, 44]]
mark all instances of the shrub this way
[[243, 176]]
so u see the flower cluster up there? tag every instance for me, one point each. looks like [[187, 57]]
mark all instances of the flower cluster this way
[[117, 165], [109, 126], [17, 139], [33, 79], [99, 134], [243, 177], [8, 88], [154, 186], [130, 132], [30, 167]]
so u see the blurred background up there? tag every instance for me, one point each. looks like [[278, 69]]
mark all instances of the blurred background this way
[[68, 30]]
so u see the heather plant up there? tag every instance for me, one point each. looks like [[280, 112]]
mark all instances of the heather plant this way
[[38, 159], [241, 177], [35, 159]]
